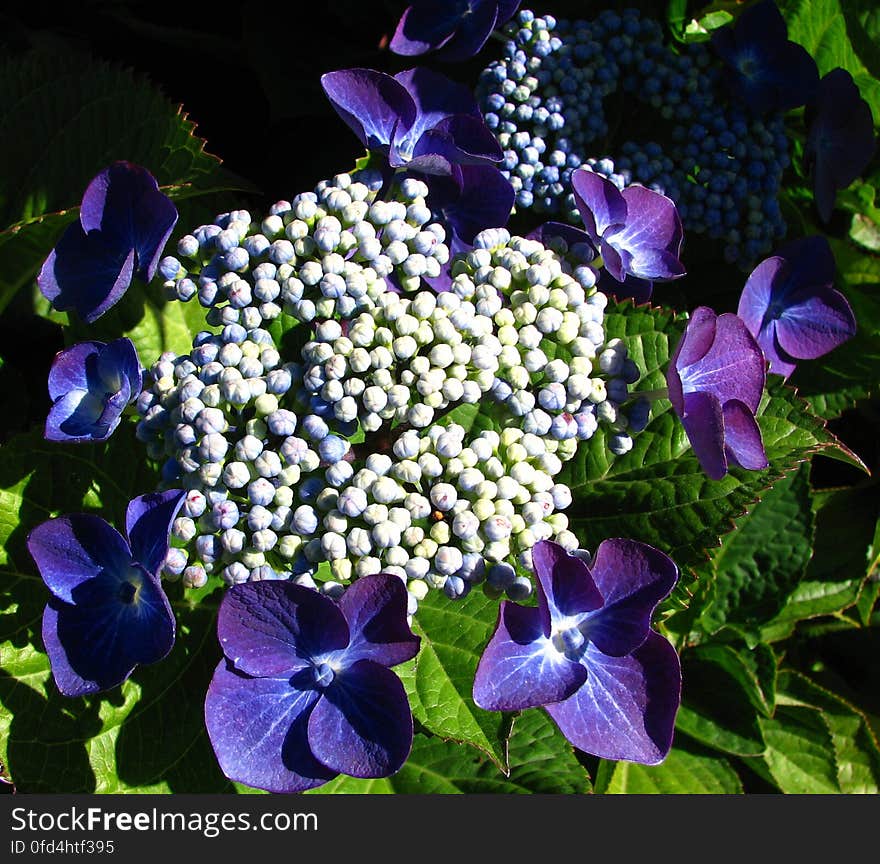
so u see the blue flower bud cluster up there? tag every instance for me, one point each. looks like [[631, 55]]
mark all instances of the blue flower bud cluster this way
[[325, 253], [549, 98], [262, 442]]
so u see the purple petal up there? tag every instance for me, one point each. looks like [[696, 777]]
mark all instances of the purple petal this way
[[85, 273], [652, 234], [506, 11], [613, 260], [70, 550], [815, 321], [95, 643], [125, 204], [520, 667], [841, 141], [633, 578], [694, 344], [598, 201], [472, 34], [148, 521], [457, 140], [476, 197], [742, 437], [810, 261], [82, 416], [258, 729], [425, 26], [373, 105], [375, 609], [436, 98], [273, 628], [703, 421], [70, 368], [626, 708], [781, 363], [118, 362], [757, 294], [362, 726], [565, 585], [732, 368]]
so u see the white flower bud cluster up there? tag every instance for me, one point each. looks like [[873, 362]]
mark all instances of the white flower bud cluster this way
[[263, 443], [558, 371], [405, 361], [325, 253]]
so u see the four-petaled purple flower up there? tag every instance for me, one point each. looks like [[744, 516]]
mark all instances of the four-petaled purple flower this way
[[304, 692], [108, 612], [770, 72], [790, 306], [840, 141], [637, 232], [418, 119], [587, 652], [453, 29], [123, 226], [90, 384], [716, 377]]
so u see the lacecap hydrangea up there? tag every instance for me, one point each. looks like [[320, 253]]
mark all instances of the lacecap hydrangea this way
[[328, 415]]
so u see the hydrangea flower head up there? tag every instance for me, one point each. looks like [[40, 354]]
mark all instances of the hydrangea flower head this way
[[108, 612], [840, 141], [90, 384], [770, 72], [418, 119], [587, 652], [305, 691], [123, 226], [716, 377], [453, 29], [790, 306], [637, 231]]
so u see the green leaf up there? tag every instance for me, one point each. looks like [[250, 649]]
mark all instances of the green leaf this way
[[681, 773], [825, 28], [759, 563], [658, 493], [541, 762], [148, 734], [721, 701], [800, 751], [440, 681], [855, 747], [846, 522]]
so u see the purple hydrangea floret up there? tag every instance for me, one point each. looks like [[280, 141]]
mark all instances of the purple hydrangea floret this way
[[90, 384], [123, 226], [770, 72], [305, 691], [453, 29], [418, 119], [637, 232], [841, 141], [108, 612], [716, 377], [790, 306], [587, 652]]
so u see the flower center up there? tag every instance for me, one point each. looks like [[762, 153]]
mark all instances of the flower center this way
[[323, 674], [128, 590], [570, 641]]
